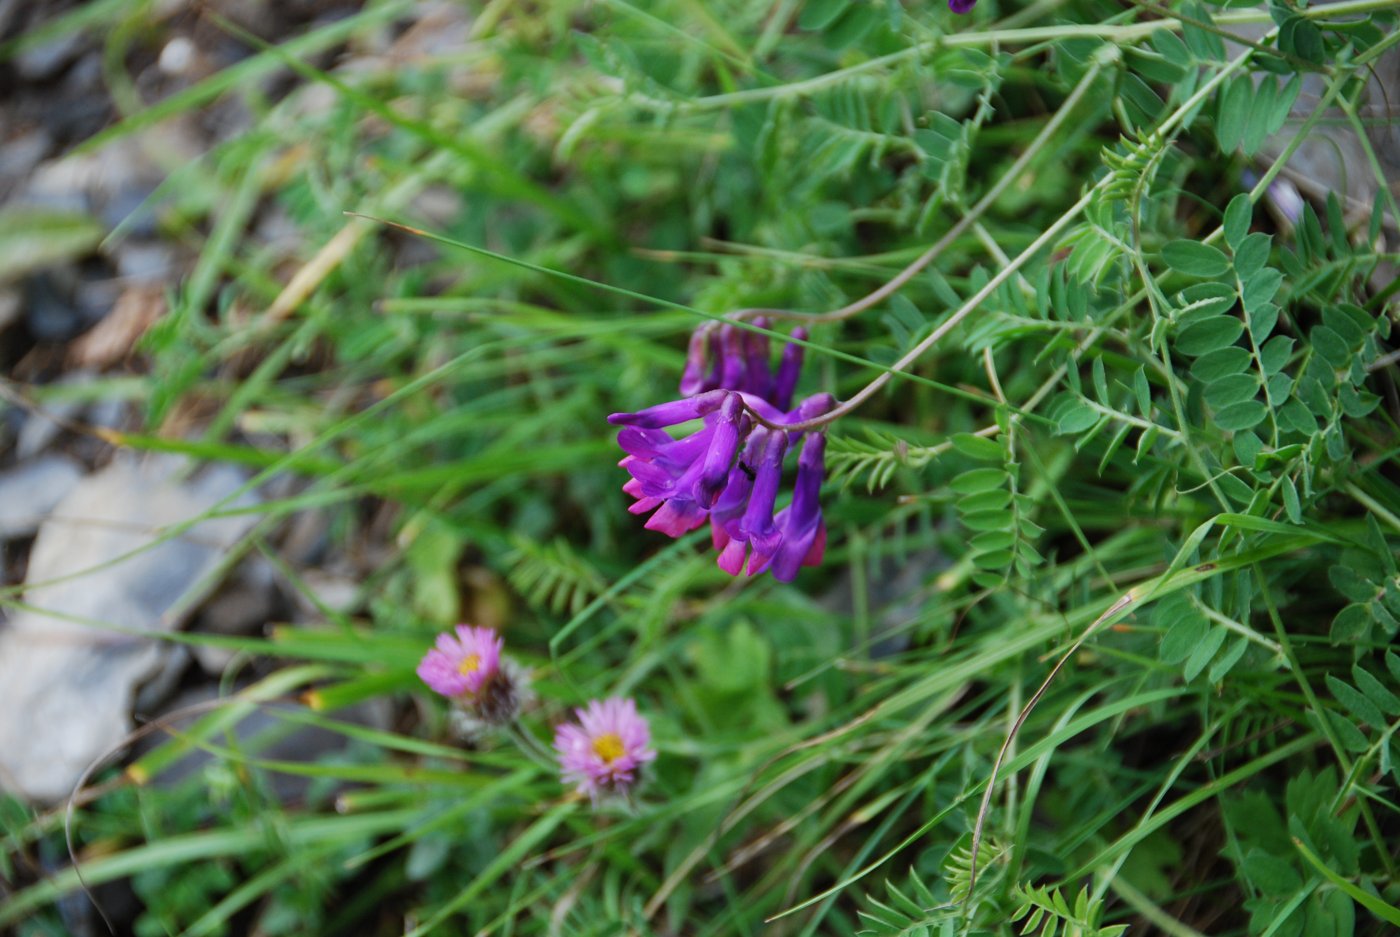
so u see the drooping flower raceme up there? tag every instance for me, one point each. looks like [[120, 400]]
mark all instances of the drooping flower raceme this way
[[729, 471], [603, 750]]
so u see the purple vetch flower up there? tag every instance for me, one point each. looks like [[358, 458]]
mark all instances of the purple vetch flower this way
[[729, 471], [961, 6], [462, 666], [603, 750], [737, 359]]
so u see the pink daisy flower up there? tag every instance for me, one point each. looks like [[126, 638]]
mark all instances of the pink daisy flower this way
[[604, 749], [462, 666]]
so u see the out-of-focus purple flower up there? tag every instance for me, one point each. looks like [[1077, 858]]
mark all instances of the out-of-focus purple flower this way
[[729, 470], [1281, 193], [603, 750], [464, 665], [961, 6]]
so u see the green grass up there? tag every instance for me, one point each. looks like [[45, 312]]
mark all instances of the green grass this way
[[1147, 678]]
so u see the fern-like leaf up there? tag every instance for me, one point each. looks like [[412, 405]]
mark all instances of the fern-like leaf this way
[[850, 459], [553, 575], [914, 911], [1045, 911], [957, 868]]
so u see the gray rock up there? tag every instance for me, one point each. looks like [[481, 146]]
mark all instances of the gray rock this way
[[30, 490], [50, 308], [44, 61], [10, 304], [18, 157], [146, 262], [327, 590], [101, 575], [243, 605], [1332, 160], [43, 426]]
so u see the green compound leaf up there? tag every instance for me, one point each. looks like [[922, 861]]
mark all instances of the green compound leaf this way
[[1233, 113], [1331, 346], [1226, 662], [1356, 703], [988, 520], [992, 500], [1211, 335], [1196, 259], [1270, 874], [1259, 122], [1241, 415], [1252, 254], [1230, 390], [1351, 625], [1298, 36], [1203, 300], [1217, 364], [1202, 653], [1261, 287], [1291, 505], [1262, 321], [1375, 691], [1238, 215], [978, 447], [978, 480], [1184, 628], [1076, 418]]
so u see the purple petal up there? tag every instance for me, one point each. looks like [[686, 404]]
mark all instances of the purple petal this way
[[676, 411], [961, 6], [655, 480], [731, 558], [643, 443], [732, 365], [675, 518], [764, 409], [654, 445], [644, 505], [788, 370], [811, 469], [729, 430], [693, 377], [757, 525], [758, 379], [812, 406], [803, 533]]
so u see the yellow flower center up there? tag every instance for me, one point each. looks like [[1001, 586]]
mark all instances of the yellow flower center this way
[[608, 747], [469, 665]]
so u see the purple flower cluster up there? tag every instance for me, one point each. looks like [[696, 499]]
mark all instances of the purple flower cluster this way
[[729, 471]]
